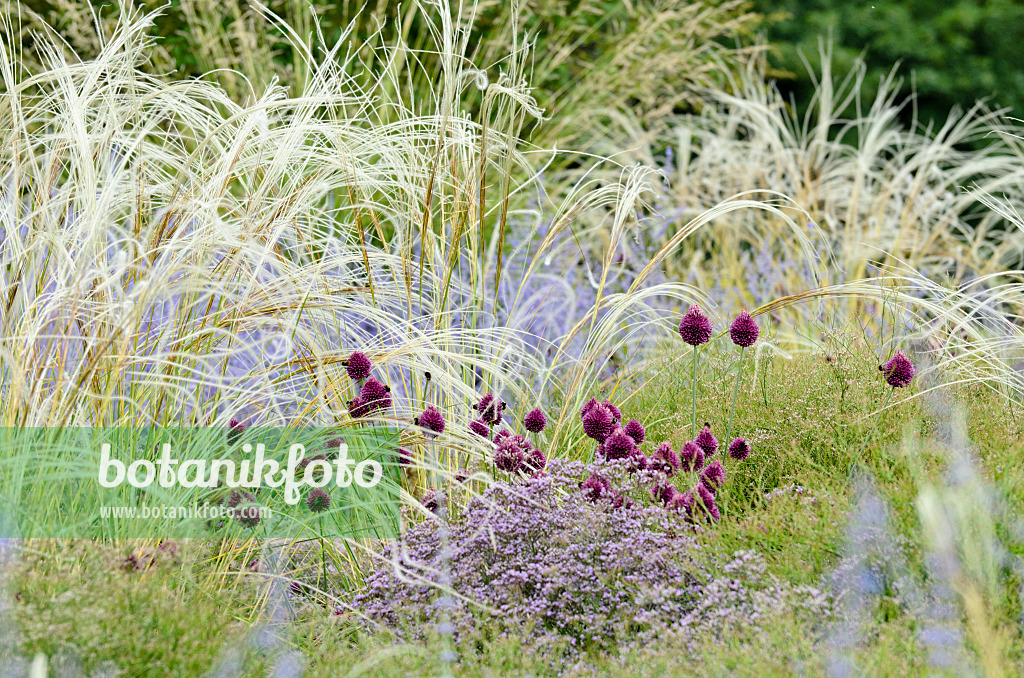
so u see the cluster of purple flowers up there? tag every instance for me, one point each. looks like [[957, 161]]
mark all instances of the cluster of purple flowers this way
[[373, 395]]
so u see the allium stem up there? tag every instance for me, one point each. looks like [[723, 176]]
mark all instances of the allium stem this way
[[694, 392], [735, 393], [871, 431]]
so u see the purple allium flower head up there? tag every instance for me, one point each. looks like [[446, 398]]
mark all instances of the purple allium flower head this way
[[739, 448], [404, 456], [306, 461], [357, 407], [665, 459], [434, 500], [333, 447], [695, 327], [707, 441], [595, 487], [712, 476], [535, 421], [705, 502], [374, 395], [638, 461], [318, 501], [432, 420], [462, 475], [480, 427], [358, 366], [618, 445], [682, 502], [898, 370], [616, 412], [664, 492], [501, 434], [490, 409], [535, 461], [635, 430], [239, 497], [744, 330], [510, 455], [599, 423], [589, 405], [235, 431], [691, 458], [244, 508]]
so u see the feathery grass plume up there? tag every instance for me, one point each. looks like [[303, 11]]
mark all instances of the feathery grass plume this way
[[744, 332], [535, 421], [695, 329]]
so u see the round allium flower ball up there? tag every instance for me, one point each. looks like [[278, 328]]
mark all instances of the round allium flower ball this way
[[739, 449], [434, 500], [595, 487], [357, 407], [705, 501], [318, 501], [691, 457], [635, 430], [589, 405], [535, 461], [664, 492], [432, 420], [235, 431], [358, 366], [480, 428], [490, 409], [712, 476], [372, 391], [665, 459], [501, 435], [744, 330], [898, 370], [239, 497], [618, 445], [707, 441], [682, 502], [509, 456], [638, 461], [333, 447], [462, 475], [695, 327], [535, 421], [404, 457], [599, 423]]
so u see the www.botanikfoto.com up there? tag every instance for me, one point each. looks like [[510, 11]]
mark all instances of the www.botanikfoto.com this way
[[194, 512]]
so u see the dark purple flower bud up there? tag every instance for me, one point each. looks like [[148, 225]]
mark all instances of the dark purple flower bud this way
[[739, 449], [712, 476], [598, 423], [333, 446], [434, 501], [244, 508], [595, 487], [618, 445], [691, 458], [318, 501], [510, 455], [620, 501], [358, 366], [744, 330], [235, 431], [587, 407], [306, 461], [404, 456], [665, 459], [635, 430], [239, 497], [664, 492], [705, 502], [616, 412], [535, 421], [707, 441], [462, 475], [898, 370], [480, 428], [490, 409], [432, 420], [695, 327]]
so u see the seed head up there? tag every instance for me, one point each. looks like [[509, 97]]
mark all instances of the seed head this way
[[898, 370], [695, 327], [744, 330], [535, 421], [635, 430], [358, 366], [739, 448], [318, 501]]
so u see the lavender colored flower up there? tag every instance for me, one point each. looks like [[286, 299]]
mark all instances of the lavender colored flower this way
[[739, 448], [490, 409], [358, 366], [712, 476], [707, 441], [665, 459], [510, 455], [318, 501], [535, 421], [695, 327], [480, 428], [705, 502], [635, 430], [618, 445], [432, 420], [744, 330], [691, 457], [599, 423], [434, 500], [595, 487], [898, 370]]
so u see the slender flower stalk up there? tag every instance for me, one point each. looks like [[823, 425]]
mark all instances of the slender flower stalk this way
[[743, 332], [695, 329]]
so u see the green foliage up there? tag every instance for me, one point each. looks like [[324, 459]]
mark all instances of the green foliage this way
[[958, 51]]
